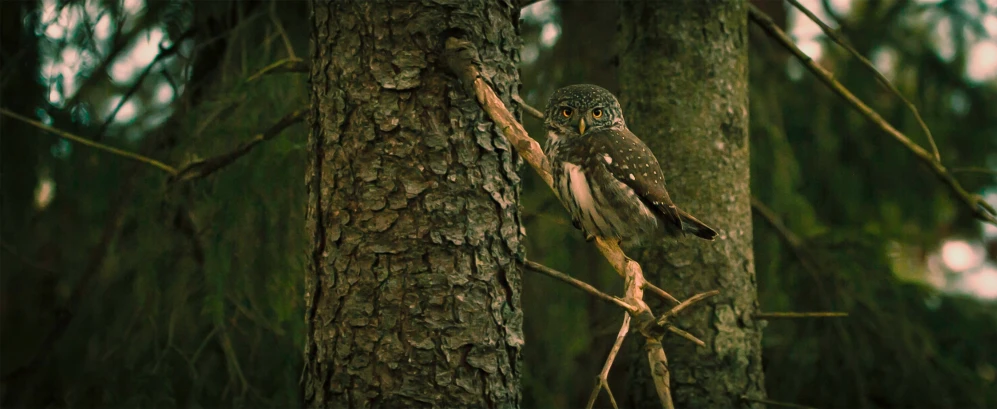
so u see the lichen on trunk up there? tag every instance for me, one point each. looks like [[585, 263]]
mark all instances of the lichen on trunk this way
[[412, 294], [684, 88]]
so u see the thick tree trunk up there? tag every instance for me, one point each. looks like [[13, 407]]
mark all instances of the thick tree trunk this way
[[684, 88], [413, 288]]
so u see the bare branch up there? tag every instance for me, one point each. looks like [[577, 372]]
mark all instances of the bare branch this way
[[980, 208], [208, 166], [660, 293], [837, 38], [84, 141], [540, 268], [192, 171], [777, 315], [763, 210], [526, 107], [602, 381], [682, 333], [286, 65], [685, 304]]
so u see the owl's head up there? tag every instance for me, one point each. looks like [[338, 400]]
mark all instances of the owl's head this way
[[579, 109]]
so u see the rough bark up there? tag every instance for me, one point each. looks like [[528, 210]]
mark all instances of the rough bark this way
[[413, 290], [684, 88]]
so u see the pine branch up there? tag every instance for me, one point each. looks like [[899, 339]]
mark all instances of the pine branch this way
[[196, 170], [202, 168], [286, 65], [980, 208], [84, 141], [835, 36]]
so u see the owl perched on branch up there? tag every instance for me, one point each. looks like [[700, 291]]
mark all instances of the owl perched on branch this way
[[608, 179]]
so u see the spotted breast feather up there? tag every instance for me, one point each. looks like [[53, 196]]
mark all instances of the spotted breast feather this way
[[629, 160]]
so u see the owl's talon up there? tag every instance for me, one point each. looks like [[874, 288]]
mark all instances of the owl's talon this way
[[589, 237], [576, 223]]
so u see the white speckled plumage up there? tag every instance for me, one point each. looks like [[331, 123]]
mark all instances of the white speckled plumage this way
[[608, 179]]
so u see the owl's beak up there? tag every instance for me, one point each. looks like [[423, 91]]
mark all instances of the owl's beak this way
[[581, 126]]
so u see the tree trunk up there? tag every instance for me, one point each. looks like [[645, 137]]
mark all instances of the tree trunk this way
[[684, 89], [413, 289]]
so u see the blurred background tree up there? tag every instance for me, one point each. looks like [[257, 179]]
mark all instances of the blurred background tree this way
[[118, 289]]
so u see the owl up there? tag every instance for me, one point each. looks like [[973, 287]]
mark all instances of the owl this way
[[609, 181]]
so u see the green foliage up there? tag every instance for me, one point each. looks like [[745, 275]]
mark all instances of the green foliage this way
[[197, 300], [903, 344]]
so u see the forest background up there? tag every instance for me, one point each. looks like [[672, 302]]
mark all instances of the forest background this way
[[119, 289]]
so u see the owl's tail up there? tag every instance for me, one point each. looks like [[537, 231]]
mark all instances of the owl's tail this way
[[695, 227]]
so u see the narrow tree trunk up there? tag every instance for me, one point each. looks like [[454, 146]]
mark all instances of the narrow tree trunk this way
[[413, 289], [684, 88]]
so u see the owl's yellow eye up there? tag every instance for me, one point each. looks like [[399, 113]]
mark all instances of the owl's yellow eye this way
[[597, 113], [566, 112]]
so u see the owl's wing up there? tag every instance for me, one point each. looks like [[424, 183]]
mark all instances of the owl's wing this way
[[631, 162]]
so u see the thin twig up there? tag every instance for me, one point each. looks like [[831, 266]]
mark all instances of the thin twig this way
[[776, 403], [542, 269], [280, 29], [208, 166], [84, 141], [769, 215], [526, 107], [777, 315], [682, 333], [285, 65], [602, 381], [980, 208], [685, 304], [835, 36], [660, 293], [810, 263]]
